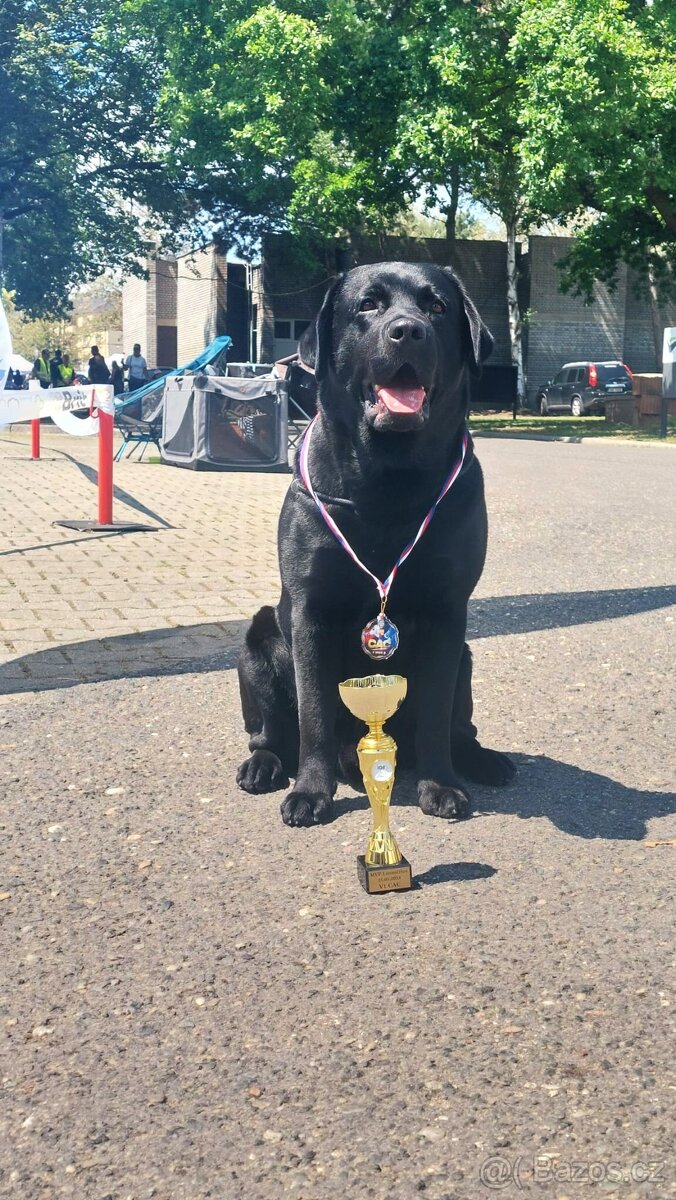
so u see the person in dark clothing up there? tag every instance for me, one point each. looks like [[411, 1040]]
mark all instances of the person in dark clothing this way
[[117, 378], [98, 367], [55, 370]]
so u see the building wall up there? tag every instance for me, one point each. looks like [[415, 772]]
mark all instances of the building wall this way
[[200, 300], [294, 291], [147, 303], [165, 282], [138, 314], [289, 287], [562, 328], [165, 272]]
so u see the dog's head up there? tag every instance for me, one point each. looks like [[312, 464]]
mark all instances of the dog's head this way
[[394, 344]]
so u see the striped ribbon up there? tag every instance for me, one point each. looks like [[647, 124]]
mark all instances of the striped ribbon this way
[[383, 585]]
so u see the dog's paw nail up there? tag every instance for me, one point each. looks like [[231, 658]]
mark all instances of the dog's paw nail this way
[[451, 803]]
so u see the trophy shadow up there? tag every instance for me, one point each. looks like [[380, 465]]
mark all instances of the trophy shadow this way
[[456, 872]]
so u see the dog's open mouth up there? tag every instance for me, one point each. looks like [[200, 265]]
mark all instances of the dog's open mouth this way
[[404, 394]]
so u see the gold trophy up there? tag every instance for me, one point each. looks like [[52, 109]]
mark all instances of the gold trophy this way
[[374, 699]]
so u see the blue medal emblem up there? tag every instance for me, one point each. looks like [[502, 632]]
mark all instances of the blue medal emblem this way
[[380, 638]]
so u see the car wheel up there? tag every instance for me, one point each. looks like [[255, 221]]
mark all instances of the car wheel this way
[[576, 407], [543, 407]]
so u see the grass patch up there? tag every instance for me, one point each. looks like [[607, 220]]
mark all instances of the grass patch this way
[[568, 427]]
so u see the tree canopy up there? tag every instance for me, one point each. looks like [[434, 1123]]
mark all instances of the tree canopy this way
[[233, 117], [83, 167], [599, 129]]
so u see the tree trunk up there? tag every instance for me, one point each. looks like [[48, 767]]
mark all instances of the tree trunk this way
[[452, 210], [514, 317], [656, 319]]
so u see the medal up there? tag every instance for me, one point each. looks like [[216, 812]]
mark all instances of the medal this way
[[380, 638]]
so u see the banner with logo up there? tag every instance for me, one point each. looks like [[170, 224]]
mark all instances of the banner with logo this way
[[60, 404]]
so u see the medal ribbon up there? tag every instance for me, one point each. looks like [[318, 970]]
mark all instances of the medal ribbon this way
[[383, 585]]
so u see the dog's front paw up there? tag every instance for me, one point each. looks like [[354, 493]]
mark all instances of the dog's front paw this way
[[437, 800], [307, 808], [263, 772], [489, 767]]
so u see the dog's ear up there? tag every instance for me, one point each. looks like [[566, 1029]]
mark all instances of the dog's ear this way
[[307, 346], [480, 339], [324, 328]]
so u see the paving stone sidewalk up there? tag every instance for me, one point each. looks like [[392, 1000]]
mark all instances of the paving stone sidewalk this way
[[72, 604]]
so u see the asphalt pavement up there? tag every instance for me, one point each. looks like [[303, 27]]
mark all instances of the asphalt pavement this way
[[199, 1002]]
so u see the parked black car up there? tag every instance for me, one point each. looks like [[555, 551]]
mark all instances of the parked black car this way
[[583, 387]]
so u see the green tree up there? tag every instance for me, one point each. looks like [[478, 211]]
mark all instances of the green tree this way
[[331, 116], [285, 112], [599, 126], [80, 172], [460, 120]]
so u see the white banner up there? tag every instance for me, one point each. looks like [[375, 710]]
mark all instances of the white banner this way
[[59, 404], [669, 364], [5, 347]]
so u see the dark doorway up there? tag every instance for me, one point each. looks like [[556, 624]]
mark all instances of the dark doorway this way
[[167, 347], [237, 308]]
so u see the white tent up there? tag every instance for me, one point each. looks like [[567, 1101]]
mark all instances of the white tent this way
[[18, 363]]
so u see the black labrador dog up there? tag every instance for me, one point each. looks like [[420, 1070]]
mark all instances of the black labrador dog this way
[[395, 345]]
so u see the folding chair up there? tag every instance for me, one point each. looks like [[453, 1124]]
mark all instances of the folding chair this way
[[137, 435]]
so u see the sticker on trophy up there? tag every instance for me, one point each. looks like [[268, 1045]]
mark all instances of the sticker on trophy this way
[[382, 770], [380, 638]]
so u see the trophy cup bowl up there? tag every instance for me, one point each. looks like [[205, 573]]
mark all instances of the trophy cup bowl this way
[[373, 699]]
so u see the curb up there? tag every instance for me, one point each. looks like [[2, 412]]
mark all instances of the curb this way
[[548, 437]]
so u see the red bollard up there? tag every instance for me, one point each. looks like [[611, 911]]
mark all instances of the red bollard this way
[[105, 467], [105, 483], [35, 439]]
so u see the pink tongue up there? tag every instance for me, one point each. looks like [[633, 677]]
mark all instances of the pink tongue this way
[[401, 400]]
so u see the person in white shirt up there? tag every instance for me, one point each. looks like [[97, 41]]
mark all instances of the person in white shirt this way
[[137, 367]]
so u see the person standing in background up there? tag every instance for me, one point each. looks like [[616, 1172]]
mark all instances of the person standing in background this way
[[55, 370], [137, 367], [66, 371], [98, 367], [117, 378], [41, 369]]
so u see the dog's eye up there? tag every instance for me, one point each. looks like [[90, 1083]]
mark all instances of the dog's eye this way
[[437, 306], [367, 305]]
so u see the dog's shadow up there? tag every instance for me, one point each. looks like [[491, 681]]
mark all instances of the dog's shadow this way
[[580, 803]]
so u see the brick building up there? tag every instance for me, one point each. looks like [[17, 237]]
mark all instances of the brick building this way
[[184, 304], [561, 328], [189, 300], [149, 312]]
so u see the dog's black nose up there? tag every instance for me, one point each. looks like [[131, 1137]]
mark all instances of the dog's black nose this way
[[403, 329]]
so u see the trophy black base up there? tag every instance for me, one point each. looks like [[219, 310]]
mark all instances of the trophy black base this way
[[384, 879]]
